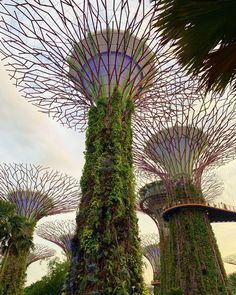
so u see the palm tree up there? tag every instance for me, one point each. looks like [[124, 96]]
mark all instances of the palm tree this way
[[204, 35], [15, 241]]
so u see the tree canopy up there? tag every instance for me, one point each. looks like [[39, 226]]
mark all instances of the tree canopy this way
[[52, 283], [232, 283]]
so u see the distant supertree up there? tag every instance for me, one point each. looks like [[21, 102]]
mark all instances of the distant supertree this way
[[95, 62], [59, 232], [40, 252], [152, 197], [178, 151], [36, 192], [230, 259], [151, 250]]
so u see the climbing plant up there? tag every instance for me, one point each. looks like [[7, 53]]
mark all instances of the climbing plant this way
[[195, 263]]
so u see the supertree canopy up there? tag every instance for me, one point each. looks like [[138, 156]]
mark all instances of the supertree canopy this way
[[36, 192], [40, 252], [151, 250], [230, 259], [59, 232], [178, 151], [65, 56]]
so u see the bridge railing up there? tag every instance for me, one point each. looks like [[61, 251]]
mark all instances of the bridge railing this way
[[197, 203]]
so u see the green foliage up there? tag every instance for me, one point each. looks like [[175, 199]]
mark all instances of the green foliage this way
[[14, 263], [175, 291], [7, 214], [195, 261], [107, 251], [232, 283], [52, 283], [204, 37]]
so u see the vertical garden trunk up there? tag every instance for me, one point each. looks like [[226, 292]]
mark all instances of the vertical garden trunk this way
[[156, 284], [164, 251], [196, 267], [106, 255]]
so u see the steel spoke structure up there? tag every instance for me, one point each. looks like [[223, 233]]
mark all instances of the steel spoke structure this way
[[151, 250], [230, 259], [37, 191], [40, 252], [152, 195], [59, 232], [64, 55], [190, 142]]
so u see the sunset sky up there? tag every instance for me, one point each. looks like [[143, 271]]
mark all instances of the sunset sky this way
[[29, 136]]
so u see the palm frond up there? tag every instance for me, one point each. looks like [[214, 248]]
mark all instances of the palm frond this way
[[204, 35]]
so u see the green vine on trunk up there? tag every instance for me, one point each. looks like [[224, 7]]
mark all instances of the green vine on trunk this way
[[106, 253]]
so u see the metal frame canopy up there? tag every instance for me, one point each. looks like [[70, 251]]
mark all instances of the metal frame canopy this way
[[59, 232], [65, 55], [176, 148], [112, 59], [151, 250], [191, 141], [40, 252], [37, 191]]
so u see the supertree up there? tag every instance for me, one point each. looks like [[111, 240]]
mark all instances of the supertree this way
[[94, 61], [40, 252], [151, 250], [230, 259], [59, 232], [178, 151], [36, 192], [152, 197]]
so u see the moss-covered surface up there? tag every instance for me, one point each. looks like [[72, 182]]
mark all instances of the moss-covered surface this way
[[14, 264], [195, 263], [106, 256], [164, 258]]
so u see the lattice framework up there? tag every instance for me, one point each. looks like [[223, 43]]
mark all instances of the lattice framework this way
[[59, 232], [40, 252], [151, 250], [37, 191], [193, 140], [38, 41]]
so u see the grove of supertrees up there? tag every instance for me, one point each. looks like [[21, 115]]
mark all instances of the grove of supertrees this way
[[59, 232], [40, 252], [151, 250], [36, 192], [178, 150], [91, 65]]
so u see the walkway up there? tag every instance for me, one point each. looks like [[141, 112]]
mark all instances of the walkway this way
[[216, 212]]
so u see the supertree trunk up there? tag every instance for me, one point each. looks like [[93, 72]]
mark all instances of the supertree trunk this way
[[164, 259], [208, 275], [14, 264], [195, 263], [107, 254]]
